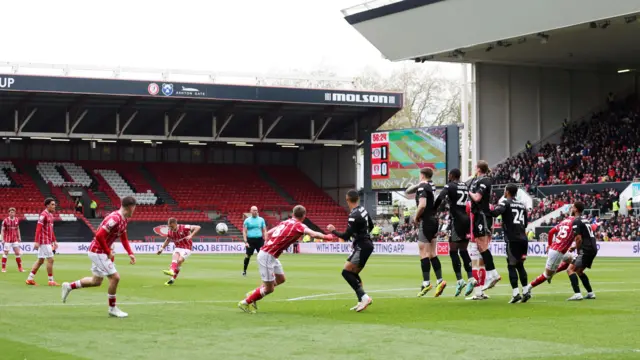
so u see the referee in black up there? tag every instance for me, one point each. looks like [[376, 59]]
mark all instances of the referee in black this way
[[359, 226]]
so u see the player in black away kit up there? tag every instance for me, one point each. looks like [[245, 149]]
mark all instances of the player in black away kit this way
[[458, 194], [514, 224], [480, 194], [587, 251], [427, 231], [358, 228]]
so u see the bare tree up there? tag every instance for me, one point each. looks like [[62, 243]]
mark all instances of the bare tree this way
[[317, 79]]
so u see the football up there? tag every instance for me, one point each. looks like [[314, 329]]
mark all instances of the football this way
[[222, 228]]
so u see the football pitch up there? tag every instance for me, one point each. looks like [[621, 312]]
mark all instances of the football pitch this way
[[308, 317]]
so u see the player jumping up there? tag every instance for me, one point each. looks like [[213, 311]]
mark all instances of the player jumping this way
[[514, 224], [112, 227], [181, 236], [359, 226], [45, 243], [11, 238], [480, 193], [457, 193], [279, 239], [427, 230], [254, 231]]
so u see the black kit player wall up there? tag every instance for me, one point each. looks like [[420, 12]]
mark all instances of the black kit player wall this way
[[457, 194], [359, 226], [587, 252], [514, 224]]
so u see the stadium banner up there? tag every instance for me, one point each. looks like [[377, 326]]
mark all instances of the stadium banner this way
[[146, 248], [605, 249], [176, 89]]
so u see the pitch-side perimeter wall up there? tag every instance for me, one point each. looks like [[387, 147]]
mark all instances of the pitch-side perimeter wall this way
[[606, 249]]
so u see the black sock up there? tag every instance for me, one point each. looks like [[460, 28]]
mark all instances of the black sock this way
[[574, 283], [455, 262], [513, 276], [488, 260], [359, 280], [352, 280], [523, 274], [425, 264], [466, 262], [437, 267], [246, 263], [585, 282]]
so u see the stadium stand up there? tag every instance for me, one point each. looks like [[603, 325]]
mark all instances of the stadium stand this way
[[19, 191]]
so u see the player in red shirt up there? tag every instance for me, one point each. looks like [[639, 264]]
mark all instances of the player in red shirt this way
[[45, 242], [112, 227], [279, 239], [11, 238], [561, 238], [181, 236]]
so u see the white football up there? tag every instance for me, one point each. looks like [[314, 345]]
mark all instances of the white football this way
[[222, 228]]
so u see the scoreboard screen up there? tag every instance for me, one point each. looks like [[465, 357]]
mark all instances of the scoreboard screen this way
[[398, 155]]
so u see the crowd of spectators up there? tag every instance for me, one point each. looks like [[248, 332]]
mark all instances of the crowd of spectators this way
[[605, 148], [601, 201]]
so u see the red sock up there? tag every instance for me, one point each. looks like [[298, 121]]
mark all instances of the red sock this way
[[176, 271], [482, 274], [474, 272], [113, 258], [539, 280], [4, 262], [19, 262], [174, 266], [51, 274], [76, 285], [112, 300], [563, 266], [256, 295]]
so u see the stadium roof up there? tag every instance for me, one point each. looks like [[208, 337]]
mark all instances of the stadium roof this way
[[110, 109]]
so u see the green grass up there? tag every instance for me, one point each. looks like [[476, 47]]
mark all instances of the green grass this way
[[198, 319]]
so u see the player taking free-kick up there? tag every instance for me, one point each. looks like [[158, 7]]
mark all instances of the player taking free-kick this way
[[45, 243], [112, 227], [181, 236], [11, 238], [279, 239]]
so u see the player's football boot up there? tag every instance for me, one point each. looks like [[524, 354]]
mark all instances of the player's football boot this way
[[590, 296], [31, 282], [355, 307], [246, 308], [526, 296], [115, 312], [170, 282], [575, 297], [470, 286], [255, 303], [440, 288], [66, 290], [459, 286], [20, 269], [515, 299], [169, 272], [478, 297], [53, 283], [491, 282], [366, 301], [424, 290], [4, 270], [244, 273]]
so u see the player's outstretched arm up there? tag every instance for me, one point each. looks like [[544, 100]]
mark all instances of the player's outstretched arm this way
[[498, 209], [345, 235], [412, 189], [316, 235], [441, 197], [164, 245]]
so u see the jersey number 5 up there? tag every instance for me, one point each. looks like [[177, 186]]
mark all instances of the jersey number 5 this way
[[462, 198], [518, 216]]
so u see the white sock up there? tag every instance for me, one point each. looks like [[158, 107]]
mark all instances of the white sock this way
[[50, 278], [479, 290], [426, 283], [591, 294], [365, 298], [439, 281], [516, 292], [31, 276]]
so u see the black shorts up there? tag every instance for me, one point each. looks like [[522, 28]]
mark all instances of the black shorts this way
[[361, 253], [584, 260], [482, 225], [460, 228], [517, 252], [254, 245], [428, 231]]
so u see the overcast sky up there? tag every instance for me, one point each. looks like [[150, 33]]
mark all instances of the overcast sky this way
[[256, 36]]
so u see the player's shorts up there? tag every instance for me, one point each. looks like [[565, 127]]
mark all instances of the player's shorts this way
[[474, 254], [45, 252], [102, 266], [360, 254], [9, 245], [585, 259], [184, 253], [554, 259], [517, 251], [459, 230], [254, 245], [427, 231], [269, 266], [482, 225]]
